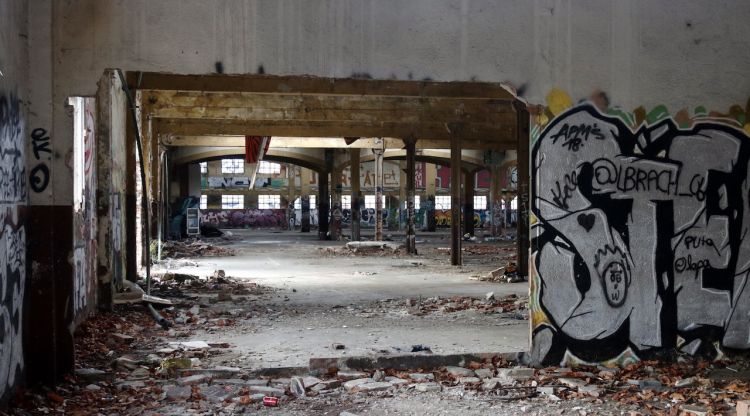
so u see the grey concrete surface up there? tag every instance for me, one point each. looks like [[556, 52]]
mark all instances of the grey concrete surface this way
[[353, 300]]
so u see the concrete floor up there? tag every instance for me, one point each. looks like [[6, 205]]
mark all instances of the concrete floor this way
[[356, 301]]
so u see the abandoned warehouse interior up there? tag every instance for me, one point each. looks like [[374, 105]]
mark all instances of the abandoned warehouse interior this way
[[327, 209]]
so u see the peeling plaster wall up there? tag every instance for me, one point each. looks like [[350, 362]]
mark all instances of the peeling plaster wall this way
[[13, 191]]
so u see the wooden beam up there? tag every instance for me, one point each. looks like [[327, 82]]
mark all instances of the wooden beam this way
[[473, 131], [315, 85], [280, 142]]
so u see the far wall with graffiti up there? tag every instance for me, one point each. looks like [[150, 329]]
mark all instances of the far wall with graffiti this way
[[640, 231]]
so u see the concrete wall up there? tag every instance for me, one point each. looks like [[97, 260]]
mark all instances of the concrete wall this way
[[640, 52], [13, 190]]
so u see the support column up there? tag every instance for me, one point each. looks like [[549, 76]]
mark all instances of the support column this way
[[411, 236], [430, 174], [522, 129], [354, 178], [304, 178], [291, 177], [402, 196], [455, 195], [496, 208], [378, 194], [324, 195], [323, 205], [336, 214], [469, 203]]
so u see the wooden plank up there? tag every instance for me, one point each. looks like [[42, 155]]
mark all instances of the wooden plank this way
[[431, 131], [315, 85], [165, 99]]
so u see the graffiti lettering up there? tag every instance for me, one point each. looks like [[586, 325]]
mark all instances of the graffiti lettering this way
[[39, 174], [574, 135], [686, 264], [632, 178], [561, 194], [649, 237]]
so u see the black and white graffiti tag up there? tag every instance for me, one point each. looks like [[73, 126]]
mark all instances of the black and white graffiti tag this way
[[641, 239], [12, 166], [12, 240], [40, 174]]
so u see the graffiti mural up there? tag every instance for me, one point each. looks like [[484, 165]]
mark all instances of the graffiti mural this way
[[12, 240], [246, 218], [639, 237], [228, 182]]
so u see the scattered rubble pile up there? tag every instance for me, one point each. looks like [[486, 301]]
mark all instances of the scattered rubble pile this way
[[366, 248], [488, 305], [507, 274], [194, 248]]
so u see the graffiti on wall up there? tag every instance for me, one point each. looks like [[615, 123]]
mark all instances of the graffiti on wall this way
[[639, 240], [228, 182], [246, 218], [482, 218], [84, 224], [12, 240]]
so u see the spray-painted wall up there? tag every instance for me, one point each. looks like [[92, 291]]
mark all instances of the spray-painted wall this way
[[84, 210], [641, 221], [13, 193]]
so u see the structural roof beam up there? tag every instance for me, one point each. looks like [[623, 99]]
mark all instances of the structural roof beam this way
[[278, 142]]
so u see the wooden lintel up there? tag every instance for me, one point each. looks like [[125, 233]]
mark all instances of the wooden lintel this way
[[330, 143], [434, 131], [315, 85]]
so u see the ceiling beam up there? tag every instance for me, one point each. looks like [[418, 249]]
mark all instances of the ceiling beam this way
[[328, 143], [315, 85], [295, 128]]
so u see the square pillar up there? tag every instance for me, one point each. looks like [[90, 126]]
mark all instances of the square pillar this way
[[455, 195], [522, 131], [469, 203], [356, 194], [411, 236]]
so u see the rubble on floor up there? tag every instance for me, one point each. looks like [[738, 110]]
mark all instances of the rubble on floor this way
[[507, 274], [488, 305], [125, 369], [373, 248], [194, 248]]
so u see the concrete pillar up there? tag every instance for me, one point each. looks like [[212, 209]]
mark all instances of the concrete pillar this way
[[194, 180], [402, 196], [411, 236], [323, 205], [356, 194], [378, 194], [305, 199], [291, 177], [469, 203], [522, 239], [496, 203], [336, 214], [455, 195], [430, 174]]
